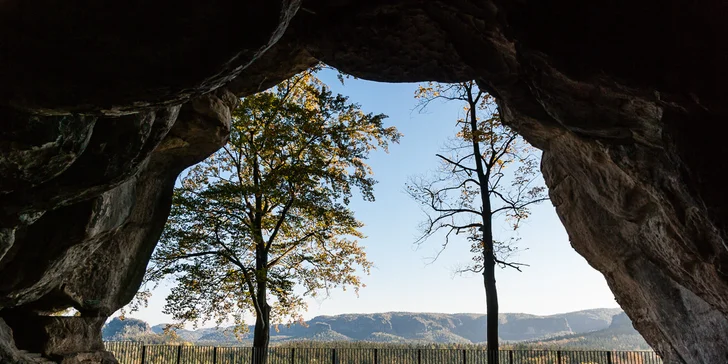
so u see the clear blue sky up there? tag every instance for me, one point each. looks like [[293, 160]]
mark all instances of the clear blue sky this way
[[558, 279]]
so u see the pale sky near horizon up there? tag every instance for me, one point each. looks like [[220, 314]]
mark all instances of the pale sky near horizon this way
[[557, 280]]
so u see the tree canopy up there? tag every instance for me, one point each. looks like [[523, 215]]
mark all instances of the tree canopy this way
[[266, 218]]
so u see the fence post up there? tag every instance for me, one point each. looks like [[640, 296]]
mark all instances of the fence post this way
[[129, 350], [144, 353]]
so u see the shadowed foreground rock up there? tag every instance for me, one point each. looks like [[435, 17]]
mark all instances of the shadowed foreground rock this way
[[625, 98], [91, 255]]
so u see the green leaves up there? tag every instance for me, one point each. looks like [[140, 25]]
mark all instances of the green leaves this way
[[269, 212]]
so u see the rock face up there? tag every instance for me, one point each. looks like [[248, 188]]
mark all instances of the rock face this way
[[120, 58], [102, 105], [91, 254]]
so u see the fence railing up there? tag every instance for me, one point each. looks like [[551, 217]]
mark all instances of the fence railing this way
[[138, 353]]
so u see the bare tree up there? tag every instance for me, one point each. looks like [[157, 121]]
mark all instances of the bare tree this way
[[487, 172]]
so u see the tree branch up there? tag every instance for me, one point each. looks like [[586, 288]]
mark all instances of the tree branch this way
[[514, 205], [516, 266], [290, 248], [456, 163], [283, 216], [193, 255]]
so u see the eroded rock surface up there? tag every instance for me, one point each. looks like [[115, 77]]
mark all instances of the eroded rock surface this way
[[91, 255], [118, 57], [625, 99]]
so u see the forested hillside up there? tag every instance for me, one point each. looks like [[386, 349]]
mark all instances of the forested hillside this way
[[620, 335], [595, 329]]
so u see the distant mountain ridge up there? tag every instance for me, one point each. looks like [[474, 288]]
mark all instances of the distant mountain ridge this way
[[409, 327]]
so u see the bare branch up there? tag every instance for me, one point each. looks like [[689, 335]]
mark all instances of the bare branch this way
[[456, 163], [515, 205], [516, 266]]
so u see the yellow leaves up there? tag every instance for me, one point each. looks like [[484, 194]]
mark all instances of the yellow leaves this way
[[426, 91], [281, 148]]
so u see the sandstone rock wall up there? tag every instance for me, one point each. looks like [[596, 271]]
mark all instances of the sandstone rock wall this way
[[102, 105], [91, 255]]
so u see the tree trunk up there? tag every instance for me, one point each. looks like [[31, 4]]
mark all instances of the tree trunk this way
[[491, 293], [491, 299], [261, 333]]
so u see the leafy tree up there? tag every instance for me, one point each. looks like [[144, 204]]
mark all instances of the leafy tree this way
[[265, 220], [489, 171]]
